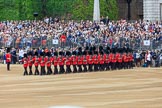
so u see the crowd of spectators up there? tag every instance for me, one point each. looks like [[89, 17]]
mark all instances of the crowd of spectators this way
[[53, 32]]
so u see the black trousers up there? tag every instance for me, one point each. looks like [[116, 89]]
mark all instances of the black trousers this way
[[8, 66], [85, 68], [107, 66], [68, 69], [62, 70], [49, 70], [101, 67], [55, 70], [30, 70], [36, 70], [90, 67], [114, 66], [125, 65], [75, 69], [80, 68], [95, 67], [25, 71], [43, 72]]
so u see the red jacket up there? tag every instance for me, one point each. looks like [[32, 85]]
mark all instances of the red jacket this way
[[80, 60], [30, 61], [8, 57], [25, 62], [36, 61], [42, 63]]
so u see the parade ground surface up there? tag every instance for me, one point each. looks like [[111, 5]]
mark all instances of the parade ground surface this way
[[134, 88]]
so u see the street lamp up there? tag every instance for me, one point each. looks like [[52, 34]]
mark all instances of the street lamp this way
[[129, 9]]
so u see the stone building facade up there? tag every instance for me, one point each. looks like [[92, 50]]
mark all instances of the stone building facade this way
[[136, 9], [152, 9]]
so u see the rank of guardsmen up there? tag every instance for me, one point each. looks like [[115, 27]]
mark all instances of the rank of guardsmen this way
[[89, 59]]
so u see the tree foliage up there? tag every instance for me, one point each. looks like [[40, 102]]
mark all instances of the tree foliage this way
[[66, 9]]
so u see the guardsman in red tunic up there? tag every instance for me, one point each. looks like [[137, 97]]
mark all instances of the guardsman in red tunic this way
[[90, 61], [87, 58], [114, 62], [120, 61], [48, 63], [36, 63], [101, 61], [95, 57], [42, 64], [74, 62], [107, 61], [130, 60], [68, 62], [80, 62], [125, 59], [55, 62], [25, 64], [61, 62], [84, 62], [30, 63], [110, 60], [117, 56], [8, 59]]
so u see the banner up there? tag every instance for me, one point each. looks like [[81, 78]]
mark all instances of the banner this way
[[55, 41], [146, 42]]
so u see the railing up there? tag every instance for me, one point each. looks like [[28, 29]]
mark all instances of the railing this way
[[37, 42]]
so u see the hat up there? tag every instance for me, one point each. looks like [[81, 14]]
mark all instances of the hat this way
[[74, 52], [25, 55], [36, 54], [55, 53], [8, 50]]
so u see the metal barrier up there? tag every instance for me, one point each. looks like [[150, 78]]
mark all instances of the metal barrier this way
[[44, 42]]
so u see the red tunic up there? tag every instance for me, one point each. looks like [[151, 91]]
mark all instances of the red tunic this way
[[42, 63], [36, 61], [30, 61], [75, 60], [110, 57], [84, 60], [101, 60], [25, 62], [68, 61], [90, 61], [80, 60], [8, 57]]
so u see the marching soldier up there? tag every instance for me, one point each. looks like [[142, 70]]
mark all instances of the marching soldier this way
[[61, 62], [48, 63], [36, 63], [74, 62], [84, 62], [101, 61], [25, 64], [42, 64], [68, 62], [55, 62], [95, 61], [90, 61], [30, 63], [80, 62]]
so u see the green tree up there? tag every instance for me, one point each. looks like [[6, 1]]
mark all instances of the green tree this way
[[83, 9]]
